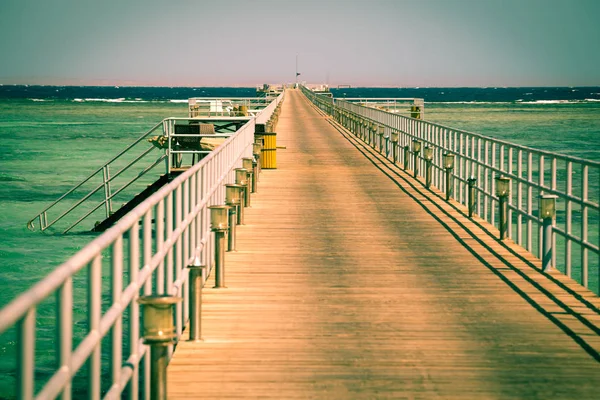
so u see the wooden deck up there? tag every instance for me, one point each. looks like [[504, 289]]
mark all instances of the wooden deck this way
[[354, 281]]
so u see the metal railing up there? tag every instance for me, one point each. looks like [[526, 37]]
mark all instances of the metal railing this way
[[413, 106], [479, 160], [103, 183], [146, 252], [226, 107], [103, 188]]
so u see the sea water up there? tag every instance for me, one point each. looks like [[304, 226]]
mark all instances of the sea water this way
[[53, 137]]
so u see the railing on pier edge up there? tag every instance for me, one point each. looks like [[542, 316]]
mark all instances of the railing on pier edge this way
[[575, 181], [102, 188], [133, 263]]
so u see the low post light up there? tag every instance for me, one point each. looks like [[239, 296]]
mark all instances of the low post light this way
[[241, 178], [381, 132], [448, 163], [196, 275], [219, 224], [159, 332], [472, 184], [503, 191], [547, 209], [248, 164], [406, 156], [257, 152], [234, 196], [428, 156], [395, 137], [416, 148], [232, 199]]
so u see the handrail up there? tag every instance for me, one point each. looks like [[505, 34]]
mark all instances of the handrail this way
[[145, 252], [42, 215], [575, 181]]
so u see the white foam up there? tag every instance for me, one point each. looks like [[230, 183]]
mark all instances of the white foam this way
[[549, 102], [119, 100], [593, 100], [40, 99], [177, 101]]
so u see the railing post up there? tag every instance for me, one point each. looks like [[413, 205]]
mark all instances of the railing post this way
[[219, 224], [547, 210], [159, 333], [503, 191], [416, 147], [107, 194], [195, 295], [472, 183], [448, 166]]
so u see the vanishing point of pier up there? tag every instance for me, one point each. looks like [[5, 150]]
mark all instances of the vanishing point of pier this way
[[365, 267]]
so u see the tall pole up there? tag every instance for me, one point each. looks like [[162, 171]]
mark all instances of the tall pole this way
[[296, 70]]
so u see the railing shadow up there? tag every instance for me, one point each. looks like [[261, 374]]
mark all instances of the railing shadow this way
[[431, 205]]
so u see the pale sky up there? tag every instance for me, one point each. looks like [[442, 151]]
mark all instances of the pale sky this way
[[248, 42]]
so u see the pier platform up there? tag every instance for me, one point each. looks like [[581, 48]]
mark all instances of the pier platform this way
[[352, 280]]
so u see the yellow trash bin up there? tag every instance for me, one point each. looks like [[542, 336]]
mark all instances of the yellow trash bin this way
[[269, 151]]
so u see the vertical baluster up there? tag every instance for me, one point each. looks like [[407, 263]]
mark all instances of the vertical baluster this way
[[94, 292], [26, 355], [553, 186], [520, 197], [509, 213], [493, 185], [541, 172], [486, 178], [569, 219], [584, 225], [116, 289], [134, 308], [64, 331], [480, 169], [530, 201], [178, 259], [160, 239], [147, 258]]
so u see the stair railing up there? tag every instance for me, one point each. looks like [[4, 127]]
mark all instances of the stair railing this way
[[45, 219]]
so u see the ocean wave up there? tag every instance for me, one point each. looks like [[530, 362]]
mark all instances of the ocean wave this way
[[40, 99], [558, 101], [469, 102], [119, 100], [177, 101]]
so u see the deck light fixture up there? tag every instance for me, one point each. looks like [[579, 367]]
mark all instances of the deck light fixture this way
[[428, 156], [416, 148], [234, 197], [219, 223], [196, 275], [503, 191], [472, 184], [248, 164], [547, 209], [448, 163], [158, 331]]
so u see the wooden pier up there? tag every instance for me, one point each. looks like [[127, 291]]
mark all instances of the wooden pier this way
[[352, 280]]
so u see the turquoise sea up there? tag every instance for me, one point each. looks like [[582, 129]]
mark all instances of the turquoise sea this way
[[52, 138]]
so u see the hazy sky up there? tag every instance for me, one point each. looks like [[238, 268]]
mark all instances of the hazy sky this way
[[248, 42]]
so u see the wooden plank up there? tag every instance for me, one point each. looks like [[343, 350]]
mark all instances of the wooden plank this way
[[353, 281]]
